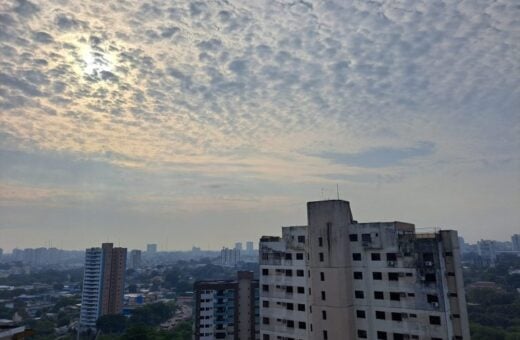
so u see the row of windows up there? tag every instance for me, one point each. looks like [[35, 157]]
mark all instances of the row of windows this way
[[288, 305], [394, 276], [288, 272], [288, 289], [288, 323], [299, 256]]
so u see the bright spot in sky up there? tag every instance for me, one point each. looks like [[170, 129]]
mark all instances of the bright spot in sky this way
[[95, 62]]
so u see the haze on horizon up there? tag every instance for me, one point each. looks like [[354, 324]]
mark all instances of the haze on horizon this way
[[204, 123]]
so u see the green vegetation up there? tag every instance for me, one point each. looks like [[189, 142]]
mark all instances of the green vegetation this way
[[494, 312]]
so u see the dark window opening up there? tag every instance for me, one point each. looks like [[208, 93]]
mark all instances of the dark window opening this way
[[379, 296], [358, 276], [353, 237], [359, 294], [391, 257], [395, 296], [397, 317], [360, 314], [393, 276], [356, 256], [320, 241], [362, 334], [376, 257], [435, 320], [377, 275], [380, 315]]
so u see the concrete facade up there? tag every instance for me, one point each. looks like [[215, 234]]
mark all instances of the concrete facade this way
[[372, 280], [227, 309]]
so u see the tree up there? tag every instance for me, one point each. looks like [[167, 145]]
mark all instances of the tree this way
[[111, 323]]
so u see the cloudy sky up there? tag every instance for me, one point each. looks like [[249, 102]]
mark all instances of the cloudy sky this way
[[205, 123]]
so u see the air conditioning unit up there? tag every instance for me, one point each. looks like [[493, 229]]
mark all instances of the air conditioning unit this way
[[403, 294], [428, 263], [435, 304], [391, 263]]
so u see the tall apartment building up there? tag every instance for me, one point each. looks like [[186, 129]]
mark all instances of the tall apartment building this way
[[103, 284], [284, 285], [151, 248], [135, 259], [515, 242], [227, 309], [377, 280], [487, 252]]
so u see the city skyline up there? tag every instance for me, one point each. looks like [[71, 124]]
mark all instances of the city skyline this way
[[199, 123]]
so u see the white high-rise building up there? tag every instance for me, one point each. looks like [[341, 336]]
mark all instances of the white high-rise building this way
[[250, 247], [92, 282], [284, 285], [377, 280]]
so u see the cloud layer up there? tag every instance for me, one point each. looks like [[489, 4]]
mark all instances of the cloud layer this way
[[257, 101]]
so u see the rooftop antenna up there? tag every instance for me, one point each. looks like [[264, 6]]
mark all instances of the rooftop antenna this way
[[337, 190]]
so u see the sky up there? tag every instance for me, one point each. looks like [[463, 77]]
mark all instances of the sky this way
[[204, 123]]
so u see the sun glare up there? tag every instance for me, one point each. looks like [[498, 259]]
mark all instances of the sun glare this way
[[96, 62]]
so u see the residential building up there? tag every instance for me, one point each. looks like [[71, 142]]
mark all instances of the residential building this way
[[284, 285], [151, 248], [250, 247], [487, 252], [227, 309], [379, 280], [238, 246], [515, 241], [229, 257], [135, 259], [103, 284]]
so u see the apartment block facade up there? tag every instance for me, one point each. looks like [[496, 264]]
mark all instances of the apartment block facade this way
[[377, 280], [227, 309], [103, 284]]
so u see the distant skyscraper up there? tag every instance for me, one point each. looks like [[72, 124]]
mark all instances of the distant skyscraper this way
[[229, 257], [250, 247], [227, 309], [515, 240], [487, 252], [151, 248], [339, 279], [238, 246], [135, 259], [103, 284]]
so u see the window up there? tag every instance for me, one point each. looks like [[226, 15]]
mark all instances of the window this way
[[301, 239], [379, 296], [301, 307], [450, 273], [411, 294], [324, 315], [290, 306], [302, 325], [353, 237], [288, 256], [265, 288], [289, 289], [397, 317], [362, 334], [265, 337], [448, 253], [288, 272], [380, 315], [435, 320], [300, 272], [321, 257], [391, 257], [432, 298], [358, 276], [395, 296], [359, 294], [325, 335], [265, 321], [430, 278], [376, 257], [290, 323], [265, 272], [299, 256], [360, 314], [427, 257], [322, 276], [456, 316], [381, 335], [356, 256], [320, 241], [452, 294], [365, 238], [323, 297], [301, 290], [393, 276], [377, 275], [265, 304]]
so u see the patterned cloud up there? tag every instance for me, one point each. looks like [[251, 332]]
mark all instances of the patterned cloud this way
[[258, 101]]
